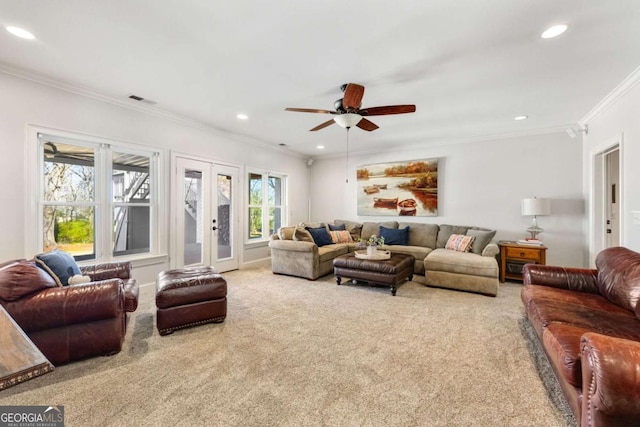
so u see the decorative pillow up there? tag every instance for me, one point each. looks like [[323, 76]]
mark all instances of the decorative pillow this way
[[286, 233], [21, 278], [394, 236], [460, 242], [337, 227], [446, 231], [340, 236], [320, 236], [302, 235], [354, 228], [78, 280], [59, 264], [482, 239]]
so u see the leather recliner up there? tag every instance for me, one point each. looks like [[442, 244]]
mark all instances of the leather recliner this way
[[71, 322]]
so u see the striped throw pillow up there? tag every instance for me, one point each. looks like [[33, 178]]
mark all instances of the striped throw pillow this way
[[460, 242], [341, 236]]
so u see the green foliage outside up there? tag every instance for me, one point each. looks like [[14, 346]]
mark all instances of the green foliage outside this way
[[76, 231]]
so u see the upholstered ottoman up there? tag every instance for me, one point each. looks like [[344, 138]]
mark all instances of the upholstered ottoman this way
[[390, 272], [188, 297]]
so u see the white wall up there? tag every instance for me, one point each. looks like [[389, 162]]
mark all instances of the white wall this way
[[481, 184], [24, 102], [620, 117]]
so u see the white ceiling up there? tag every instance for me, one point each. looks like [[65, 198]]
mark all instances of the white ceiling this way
[[470, 66]]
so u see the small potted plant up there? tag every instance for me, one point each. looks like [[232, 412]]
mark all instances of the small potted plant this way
[[372, 244]]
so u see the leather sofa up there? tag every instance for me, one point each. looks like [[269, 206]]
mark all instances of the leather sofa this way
[[475, 271], [588, 323], [71, 322]]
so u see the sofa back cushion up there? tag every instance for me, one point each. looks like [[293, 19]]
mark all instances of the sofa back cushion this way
[[446, 231], [20, 278], [302, 235], [482, 239], [371, 228], [619, 277], [424, 235]]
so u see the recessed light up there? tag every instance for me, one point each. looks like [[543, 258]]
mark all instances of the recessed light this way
[[554, 31], [520, 117], [320, 147], [19, 32], [242, 116]]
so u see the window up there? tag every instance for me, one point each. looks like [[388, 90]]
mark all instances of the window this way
[[266, 204], [96, 198]]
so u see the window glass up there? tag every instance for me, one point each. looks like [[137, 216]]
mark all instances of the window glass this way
[[266, 198], [81, 199]]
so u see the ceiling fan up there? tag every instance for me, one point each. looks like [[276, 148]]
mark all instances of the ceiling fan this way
[[349, 113]]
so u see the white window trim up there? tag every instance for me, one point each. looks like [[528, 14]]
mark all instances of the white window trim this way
[[265, 197], [34, 158]]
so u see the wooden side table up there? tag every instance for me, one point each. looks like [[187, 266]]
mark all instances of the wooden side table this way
[[20, 359], [514, 256]]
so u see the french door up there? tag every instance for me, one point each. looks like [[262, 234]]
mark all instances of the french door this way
[[206, 214]]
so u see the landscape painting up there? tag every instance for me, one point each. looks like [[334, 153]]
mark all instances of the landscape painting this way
[[398, 189]]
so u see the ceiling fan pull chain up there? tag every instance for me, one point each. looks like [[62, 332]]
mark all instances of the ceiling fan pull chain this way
[[348, 155]]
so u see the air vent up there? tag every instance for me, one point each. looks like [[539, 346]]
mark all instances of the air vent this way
[[141, 99]]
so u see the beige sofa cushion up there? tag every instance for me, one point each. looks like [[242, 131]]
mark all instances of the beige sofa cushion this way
[[302, 235], [329, 252], [421, 234], [461, 263]]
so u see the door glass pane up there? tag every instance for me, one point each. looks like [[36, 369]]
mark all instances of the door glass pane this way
[[225, 249], [193, 218], [70, 229]]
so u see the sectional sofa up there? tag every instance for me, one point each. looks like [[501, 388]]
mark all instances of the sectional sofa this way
[[294, 252]]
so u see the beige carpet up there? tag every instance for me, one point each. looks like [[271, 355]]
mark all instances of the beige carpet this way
[[298, 353]]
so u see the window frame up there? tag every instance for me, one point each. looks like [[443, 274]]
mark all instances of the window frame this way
[[103, 202], [265, 207]]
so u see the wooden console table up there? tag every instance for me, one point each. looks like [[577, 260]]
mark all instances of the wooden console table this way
[[20, 359], [514, 256]]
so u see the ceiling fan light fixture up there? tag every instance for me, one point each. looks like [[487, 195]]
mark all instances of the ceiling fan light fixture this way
[[347, 120]]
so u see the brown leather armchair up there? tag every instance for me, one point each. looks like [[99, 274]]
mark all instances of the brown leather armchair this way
[[71, 322], [588, 323]]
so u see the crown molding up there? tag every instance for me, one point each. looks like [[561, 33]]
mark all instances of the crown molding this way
[[613, 96], [447, 142], [135, 106]]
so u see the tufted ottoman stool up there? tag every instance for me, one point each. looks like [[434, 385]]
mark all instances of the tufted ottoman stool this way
[[188, 297]]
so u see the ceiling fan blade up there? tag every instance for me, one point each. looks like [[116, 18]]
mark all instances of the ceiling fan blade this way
[[389, 109], [322, 125], [310, 110], [353, 96], [367, 125]]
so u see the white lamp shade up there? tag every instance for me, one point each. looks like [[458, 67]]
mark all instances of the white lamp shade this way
[[535, 207], [348, 120]]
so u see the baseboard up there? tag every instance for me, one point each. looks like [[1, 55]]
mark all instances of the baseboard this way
[[262, 262]]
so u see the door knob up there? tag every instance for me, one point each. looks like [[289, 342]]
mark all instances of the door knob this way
[[214, 228]]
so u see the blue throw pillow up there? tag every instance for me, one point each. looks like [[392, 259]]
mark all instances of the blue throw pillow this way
[[60, 265], [340, 227], [320, 236], [395, 237]]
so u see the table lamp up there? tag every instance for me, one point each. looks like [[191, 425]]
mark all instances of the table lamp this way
[[535, 207]]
